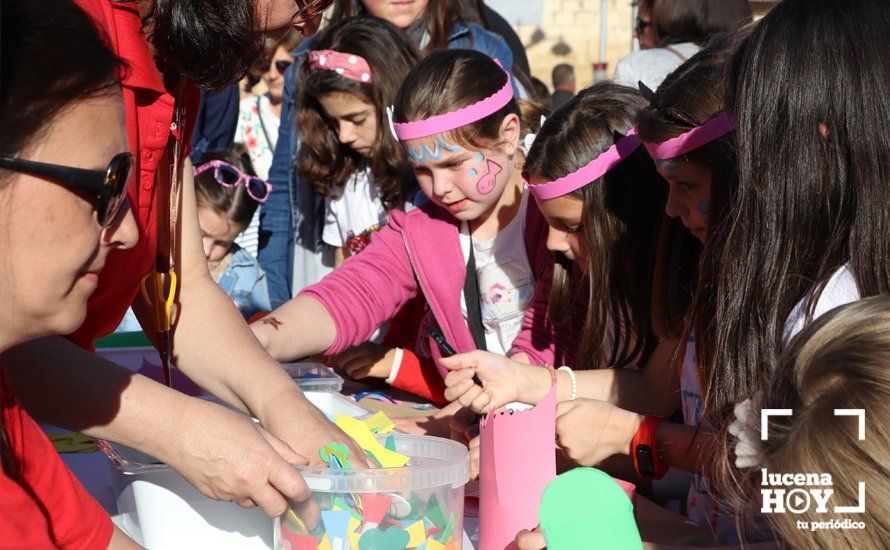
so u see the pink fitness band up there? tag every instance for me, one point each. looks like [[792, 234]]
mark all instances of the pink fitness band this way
[[717, 127], [455, 119], [592, 171], [351, 66]]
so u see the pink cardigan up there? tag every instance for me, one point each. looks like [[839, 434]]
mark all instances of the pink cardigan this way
[[419, 251]]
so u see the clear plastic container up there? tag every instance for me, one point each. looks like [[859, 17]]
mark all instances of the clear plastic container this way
[[161, 510], [314, 377], [429, 490]]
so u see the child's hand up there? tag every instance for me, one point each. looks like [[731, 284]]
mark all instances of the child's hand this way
[[531, 540], [589, 431], [504, 380], [368, 360]]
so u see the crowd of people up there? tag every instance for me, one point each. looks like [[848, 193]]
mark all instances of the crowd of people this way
[[702, 238]]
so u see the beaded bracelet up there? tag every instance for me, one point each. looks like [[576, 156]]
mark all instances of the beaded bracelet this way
[[574, 381]]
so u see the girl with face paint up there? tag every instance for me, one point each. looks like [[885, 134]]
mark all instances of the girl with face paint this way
[[459, 123]]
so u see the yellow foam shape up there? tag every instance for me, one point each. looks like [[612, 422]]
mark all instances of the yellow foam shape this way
[[302, 526], [431, 544], [380, 423], [353, 540], [325, 543], [417, 532], [357, 430], [353, 524]]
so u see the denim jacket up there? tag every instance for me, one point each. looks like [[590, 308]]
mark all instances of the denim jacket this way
[[293, 214]]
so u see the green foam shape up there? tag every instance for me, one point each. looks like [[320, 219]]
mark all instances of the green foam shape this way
[[341, 503], [434, 512], [447, 532], [391, 539], [585, 508], [390, 444]]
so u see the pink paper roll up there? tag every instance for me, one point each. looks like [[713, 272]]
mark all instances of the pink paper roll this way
[[516, 462]]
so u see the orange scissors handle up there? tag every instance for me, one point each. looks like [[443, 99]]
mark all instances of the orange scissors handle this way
[[160, 301]]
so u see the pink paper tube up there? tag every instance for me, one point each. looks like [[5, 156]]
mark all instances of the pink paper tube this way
[[516, 462]]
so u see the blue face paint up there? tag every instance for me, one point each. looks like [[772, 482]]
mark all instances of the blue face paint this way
[[479, 157], [668, 165], [704, 207], [473, 172], [423, 153]]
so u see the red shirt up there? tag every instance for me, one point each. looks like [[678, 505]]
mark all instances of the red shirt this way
[[44, 506], [149, 106]]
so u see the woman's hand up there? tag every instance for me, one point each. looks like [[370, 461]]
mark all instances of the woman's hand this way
[[504, 380], [589, 431], [294, 419], [368, 360], [228, 457]]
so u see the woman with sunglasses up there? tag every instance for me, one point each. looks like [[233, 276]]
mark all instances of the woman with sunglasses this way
[[223, 454], [259, 117], [64, 170]]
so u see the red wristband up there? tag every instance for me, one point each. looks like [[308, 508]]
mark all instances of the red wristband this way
[[644, 449]]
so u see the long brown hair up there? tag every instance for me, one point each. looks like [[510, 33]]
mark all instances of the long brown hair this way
[[621, 219], [805, 204], [440, 15], [689, 96], [323, 161]]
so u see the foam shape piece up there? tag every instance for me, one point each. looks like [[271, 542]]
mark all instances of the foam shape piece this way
[[391, 539], [375, 507], [380, 424], [417, 534], [335, 451], [296, 540], [292, 517], [510, 485], [586, 508], [390, 443], [336, 525], [354, 539], [340, 504], [433, 544], [325, 543], [354, 524], [358, 431], [434, 512]]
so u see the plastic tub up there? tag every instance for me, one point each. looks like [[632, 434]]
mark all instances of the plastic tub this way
[[425, 499], [161, 510], [314, 377]]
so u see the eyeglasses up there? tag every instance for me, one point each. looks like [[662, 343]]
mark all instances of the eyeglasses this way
[[228, 176], [281, 65], [108, 187], [308, 10], [642, 24]]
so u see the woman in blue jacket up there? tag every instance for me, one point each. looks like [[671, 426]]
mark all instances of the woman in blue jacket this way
[[290, 250]]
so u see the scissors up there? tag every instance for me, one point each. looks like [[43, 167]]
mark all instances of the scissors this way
[[72, 442], [161, 302]]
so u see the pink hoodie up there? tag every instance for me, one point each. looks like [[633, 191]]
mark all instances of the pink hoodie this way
[[419, 250]]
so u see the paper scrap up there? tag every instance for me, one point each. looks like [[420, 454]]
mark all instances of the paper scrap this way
[[358, 431], [380, 424]]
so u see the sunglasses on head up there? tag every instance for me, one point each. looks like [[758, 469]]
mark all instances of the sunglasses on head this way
[[308, 10], [107, 187], [281, 65], [229, 176]]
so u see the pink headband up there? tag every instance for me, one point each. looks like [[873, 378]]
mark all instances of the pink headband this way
[[354, 67], [455, 119], [715, 128], [594, 170]]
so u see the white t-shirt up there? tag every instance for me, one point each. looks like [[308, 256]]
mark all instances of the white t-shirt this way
[[506, 281], [653, 65], [258, 130], [704, 506], [357, 210]]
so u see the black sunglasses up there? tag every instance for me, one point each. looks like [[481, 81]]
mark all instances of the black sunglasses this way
[[309, 10], [281, 65], [642, 24], [109, 186]]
